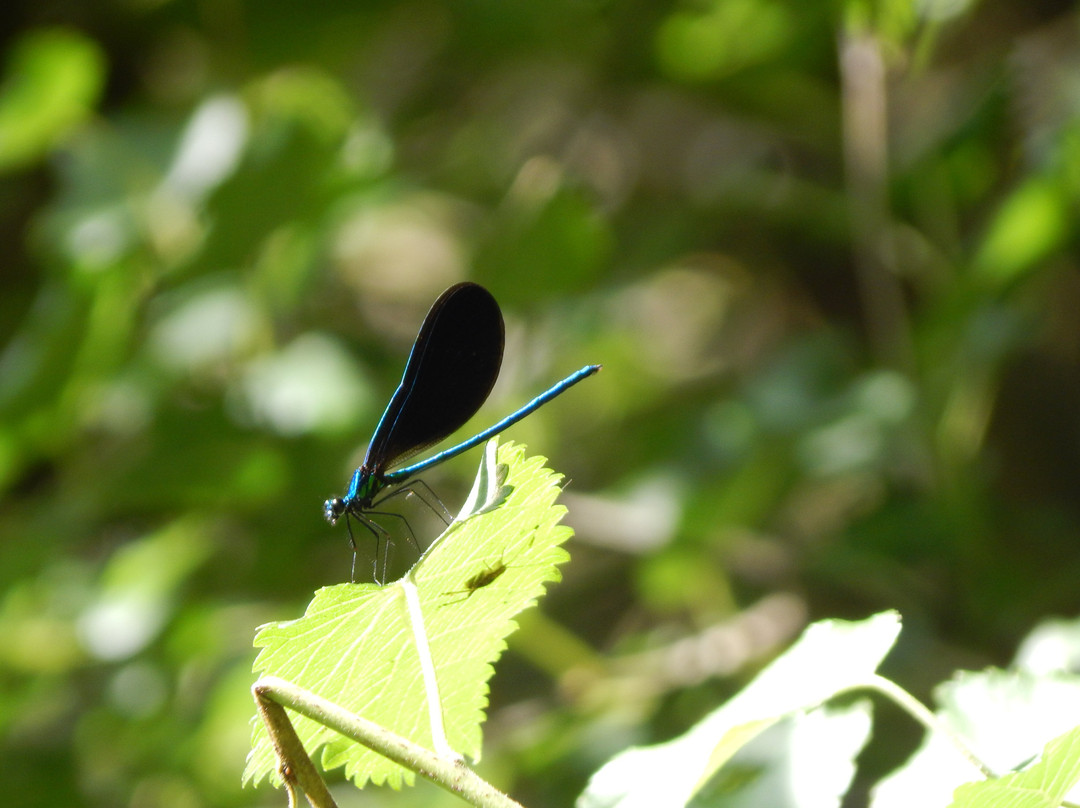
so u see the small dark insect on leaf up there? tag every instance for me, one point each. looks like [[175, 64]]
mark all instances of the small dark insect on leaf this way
[[481, 579]]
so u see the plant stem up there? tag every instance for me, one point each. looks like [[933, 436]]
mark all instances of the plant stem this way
[[917, 710], [294, 765], [451, 774]]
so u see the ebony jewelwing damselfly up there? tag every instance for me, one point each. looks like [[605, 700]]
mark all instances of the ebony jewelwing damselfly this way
[[451, 370]]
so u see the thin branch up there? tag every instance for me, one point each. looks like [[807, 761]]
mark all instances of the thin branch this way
[[294, 765], [865, 121], [451, 774]]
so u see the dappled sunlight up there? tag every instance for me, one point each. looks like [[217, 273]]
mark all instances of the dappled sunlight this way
[[824, 253]]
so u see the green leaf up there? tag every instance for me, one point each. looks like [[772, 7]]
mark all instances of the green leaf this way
[[1028, 227], [53, 80], [360, 646], [831, 656], [1044, 785], [717, 38]]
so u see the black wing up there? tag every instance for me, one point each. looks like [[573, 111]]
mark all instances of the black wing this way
[[451, 370]]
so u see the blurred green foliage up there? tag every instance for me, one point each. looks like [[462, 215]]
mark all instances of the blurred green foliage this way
[[826, 253]]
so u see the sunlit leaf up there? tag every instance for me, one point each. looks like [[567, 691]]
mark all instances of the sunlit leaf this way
[[1004, 717], [356, 646], [1044, 785], [830, 657]]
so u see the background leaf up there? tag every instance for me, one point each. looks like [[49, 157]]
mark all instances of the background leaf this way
[[1005, 717], [53, 80], [1044, 785], [830, 657]]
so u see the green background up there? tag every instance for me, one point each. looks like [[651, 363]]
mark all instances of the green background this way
[[826, 253]]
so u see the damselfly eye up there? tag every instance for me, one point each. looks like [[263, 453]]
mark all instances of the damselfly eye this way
[[333, 509]]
